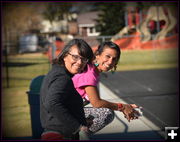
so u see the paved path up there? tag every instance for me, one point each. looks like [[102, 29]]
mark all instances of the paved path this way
[[155, 90], [121, 129]]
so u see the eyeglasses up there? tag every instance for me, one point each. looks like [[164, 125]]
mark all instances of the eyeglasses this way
[[76, 58]]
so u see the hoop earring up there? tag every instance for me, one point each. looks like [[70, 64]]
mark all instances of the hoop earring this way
[[96, 64]]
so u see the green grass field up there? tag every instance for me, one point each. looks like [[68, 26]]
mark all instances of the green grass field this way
[[148, 59], [22, 68], [15, 107]]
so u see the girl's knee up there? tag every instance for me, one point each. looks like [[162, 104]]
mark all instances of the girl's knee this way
[[104, 117], [110, 115]]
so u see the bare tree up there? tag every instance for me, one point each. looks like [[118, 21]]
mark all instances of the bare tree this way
[[17, 18]]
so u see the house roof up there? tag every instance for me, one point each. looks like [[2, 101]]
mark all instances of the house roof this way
[[87, 18]]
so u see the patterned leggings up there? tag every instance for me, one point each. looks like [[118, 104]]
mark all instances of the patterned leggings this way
[[102, 117]]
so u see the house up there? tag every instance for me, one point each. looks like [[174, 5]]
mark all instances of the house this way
[[82, 25], [86, 23]]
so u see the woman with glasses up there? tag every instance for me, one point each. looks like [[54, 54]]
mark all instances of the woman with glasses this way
[[106, 58], [61, 106]]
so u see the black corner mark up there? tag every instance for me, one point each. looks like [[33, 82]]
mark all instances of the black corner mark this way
[[171, 134]]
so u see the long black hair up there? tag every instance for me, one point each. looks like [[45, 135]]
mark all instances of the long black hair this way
[[111, 45], [84, 50]]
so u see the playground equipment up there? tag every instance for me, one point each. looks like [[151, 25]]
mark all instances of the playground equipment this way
[[159, 21], [145, 31], [160, 18]]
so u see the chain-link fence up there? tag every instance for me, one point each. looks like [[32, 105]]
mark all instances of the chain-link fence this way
[[157, 51]]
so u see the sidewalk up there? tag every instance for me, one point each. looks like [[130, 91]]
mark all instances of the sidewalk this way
[[121, 129]]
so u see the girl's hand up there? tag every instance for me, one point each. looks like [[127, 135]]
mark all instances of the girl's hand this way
[[129, 111]]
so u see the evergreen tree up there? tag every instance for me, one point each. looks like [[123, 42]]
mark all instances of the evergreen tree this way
[[111, 19]]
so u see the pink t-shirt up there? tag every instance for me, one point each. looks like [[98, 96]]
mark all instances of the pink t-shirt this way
[[89, 77]]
